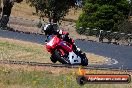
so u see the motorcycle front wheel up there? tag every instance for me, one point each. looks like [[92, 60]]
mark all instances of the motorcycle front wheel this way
[[59, 57], [53, 58]]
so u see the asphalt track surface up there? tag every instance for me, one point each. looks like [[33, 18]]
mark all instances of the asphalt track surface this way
[[119, 56]]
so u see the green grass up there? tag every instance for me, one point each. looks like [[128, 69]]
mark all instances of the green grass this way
[[39, 79], [46, 79], [36, 79]]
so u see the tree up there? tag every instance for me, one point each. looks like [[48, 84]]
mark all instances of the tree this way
[[54, 9], [103, 14]]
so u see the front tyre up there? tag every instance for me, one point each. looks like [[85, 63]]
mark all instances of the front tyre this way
[[59, 57], [53, 58]]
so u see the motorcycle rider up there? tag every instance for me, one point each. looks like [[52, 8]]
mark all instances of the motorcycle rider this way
[[52, 29]]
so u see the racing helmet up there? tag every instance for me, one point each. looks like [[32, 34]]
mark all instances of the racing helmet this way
[[48, 29]]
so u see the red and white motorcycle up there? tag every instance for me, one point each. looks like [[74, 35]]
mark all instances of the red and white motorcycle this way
[[65, 52]]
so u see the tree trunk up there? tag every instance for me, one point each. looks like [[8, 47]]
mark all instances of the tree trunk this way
[[0, 6], [55, 18], [7, 9], [6, 13]]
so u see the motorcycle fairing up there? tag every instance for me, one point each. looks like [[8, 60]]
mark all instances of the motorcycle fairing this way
[[52, 43], [73, 58], [64, 45]]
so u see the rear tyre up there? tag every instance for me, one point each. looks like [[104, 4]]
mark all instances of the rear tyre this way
[[84, 60], [59, 58]]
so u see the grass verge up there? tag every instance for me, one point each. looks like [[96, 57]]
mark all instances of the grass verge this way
[[19, 76], [23, 78], [16, 50]]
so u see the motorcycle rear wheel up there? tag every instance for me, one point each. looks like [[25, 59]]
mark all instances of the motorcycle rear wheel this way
[[84, 60]]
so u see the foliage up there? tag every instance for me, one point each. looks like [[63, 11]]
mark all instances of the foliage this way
[[54, 9], [103, 14]]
